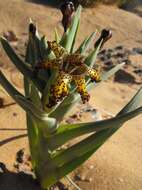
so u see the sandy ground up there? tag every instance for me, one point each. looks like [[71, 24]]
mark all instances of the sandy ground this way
[[118, 164]]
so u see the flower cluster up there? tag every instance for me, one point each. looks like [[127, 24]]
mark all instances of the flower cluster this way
[[71, 67]]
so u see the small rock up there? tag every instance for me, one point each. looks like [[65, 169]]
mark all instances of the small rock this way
[[20, 156], [89, 180], [124, 77], [103, 51], [73, 118], [137, 50], [110, 51], [91, 167], [138, 71], [119, 47], [120, 54], [103, 58], [2, 168], [70, 120], [127, 61], [15, 114], [121, 180], [79, 177], [88, 109], [76, 116], [10, 36], [109, 63], [1, 102], [108, 55], [96, 115]]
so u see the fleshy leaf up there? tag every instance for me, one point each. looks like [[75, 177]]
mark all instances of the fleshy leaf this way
[[49, 124], [90, 60], [99, 138], [68, 132], [24, 68], [135, 102], [57, 37], [86, 43], [73, 44], [72, 157], [12, 91], [68, 38]]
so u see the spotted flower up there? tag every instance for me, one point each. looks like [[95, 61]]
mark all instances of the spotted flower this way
[[71, 68]]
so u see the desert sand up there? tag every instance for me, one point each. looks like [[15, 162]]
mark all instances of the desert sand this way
[[117, 165]]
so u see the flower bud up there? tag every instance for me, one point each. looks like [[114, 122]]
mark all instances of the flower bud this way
[[105, 36], [32, 29], [67, 9]]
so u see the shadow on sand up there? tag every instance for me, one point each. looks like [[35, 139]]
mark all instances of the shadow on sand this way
[[16, 181], [52, 3]]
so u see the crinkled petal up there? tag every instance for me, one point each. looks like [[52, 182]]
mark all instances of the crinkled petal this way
[[94, 74], [58, 50], [60, 89], [81, 89]]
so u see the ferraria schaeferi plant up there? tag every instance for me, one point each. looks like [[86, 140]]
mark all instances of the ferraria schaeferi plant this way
[[56, 76]]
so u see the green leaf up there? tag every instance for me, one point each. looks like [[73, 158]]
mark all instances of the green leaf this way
[[12, 91], [98, 139], [68, 38], [68, 132], [133, 104], [90, 60], [48, 124], [86, 43], [30, 107], [71, 158], [57, 37], [33, 136], [75, 36], [24, 68], [35, 96], [112, 71]]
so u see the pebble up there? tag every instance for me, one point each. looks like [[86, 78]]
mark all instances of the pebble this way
[[1, 102], [120, 47], [80, 178], [96, 115], [123, 76], [2, 168], [137, 50], [108, 63], [121, 180], [10, 36], [103, 51], [138, 71], [91, 167], [127, 61], [89, 180], [15, 114], [20, 156]]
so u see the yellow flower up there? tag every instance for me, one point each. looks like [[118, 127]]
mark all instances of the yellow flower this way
[[71, 68]]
